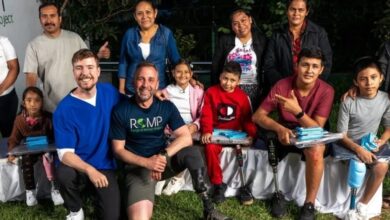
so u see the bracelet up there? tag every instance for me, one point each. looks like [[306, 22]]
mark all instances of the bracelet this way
[[300, 115]]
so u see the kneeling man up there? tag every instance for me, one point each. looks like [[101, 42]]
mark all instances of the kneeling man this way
[[137, 133]]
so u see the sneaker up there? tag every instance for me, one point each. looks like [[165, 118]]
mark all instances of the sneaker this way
[[219, 193], [245, 196], [362, 211], [159, 187], [214, 214], [278, 207], [31, 198], [307, 212], [76, 215], [174, 186], [56, 197]]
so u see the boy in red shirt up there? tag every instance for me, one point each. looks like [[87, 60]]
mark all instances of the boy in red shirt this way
[[225, 106]]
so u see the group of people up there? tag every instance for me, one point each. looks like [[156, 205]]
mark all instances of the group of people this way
[[95, 124]]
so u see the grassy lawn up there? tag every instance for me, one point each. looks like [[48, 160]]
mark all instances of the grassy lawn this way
[[186, 205]]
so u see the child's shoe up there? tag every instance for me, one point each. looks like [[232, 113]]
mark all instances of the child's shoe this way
[[76, 215], [159, 187], [219, 193], [31, 199], [174, 186], [56, 197]]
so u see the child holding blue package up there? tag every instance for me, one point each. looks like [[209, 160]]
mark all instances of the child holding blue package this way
[[361, 116], [33, 121]]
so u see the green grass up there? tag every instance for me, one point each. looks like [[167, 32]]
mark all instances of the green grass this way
[[186, 205]]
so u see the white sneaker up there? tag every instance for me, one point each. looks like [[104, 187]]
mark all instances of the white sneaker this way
[[174, 186], [76, 215], [362, 211], [31, 198], [56, 197], [159, 187]]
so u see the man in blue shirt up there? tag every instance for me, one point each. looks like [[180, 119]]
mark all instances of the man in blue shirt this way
[[137, 132], [81, 127]]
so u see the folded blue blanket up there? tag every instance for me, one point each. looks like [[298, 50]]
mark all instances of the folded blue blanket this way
[[312, 133]]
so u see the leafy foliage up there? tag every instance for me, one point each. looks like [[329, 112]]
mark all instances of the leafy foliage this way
[[382, 29]]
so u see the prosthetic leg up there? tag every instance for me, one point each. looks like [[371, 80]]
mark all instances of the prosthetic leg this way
[[246, 196], [209, 211], [356, 173], [278, 208]]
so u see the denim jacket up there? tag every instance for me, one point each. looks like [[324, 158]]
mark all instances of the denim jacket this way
[[162, 47]]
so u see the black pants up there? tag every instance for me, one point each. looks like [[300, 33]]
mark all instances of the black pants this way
[[71, 182], [28, 162], [8, 108]]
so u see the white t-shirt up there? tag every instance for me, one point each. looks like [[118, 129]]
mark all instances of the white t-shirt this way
[[7, 53], [181, 99], [246, 57], [145, 49]]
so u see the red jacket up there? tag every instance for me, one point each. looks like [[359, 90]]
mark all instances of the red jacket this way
[[225, 110]]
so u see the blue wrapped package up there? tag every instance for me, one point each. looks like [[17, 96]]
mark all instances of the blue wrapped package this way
[[368, 142], [36, 141], [232, 134]]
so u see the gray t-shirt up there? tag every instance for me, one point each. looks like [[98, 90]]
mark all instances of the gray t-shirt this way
[[361, 116], [51, 59]]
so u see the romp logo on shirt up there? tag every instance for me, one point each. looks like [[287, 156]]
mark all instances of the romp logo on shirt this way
[[226, 112], [145, 124]]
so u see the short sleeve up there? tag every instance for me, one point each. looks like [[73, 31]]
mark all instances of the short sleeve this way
[[30, 60], [117, 128], [64, 133], [8, 49], [343, 117]]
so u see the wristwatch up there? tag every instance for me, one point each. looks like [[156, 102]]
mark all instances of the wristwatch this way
[[300, 115], [164, 153]]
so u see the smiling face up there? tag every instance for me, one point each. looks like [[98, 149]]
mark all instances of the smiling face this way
[[297, 12], [50, 20], [368, 81], [33, 104], [146, 83], [86, 73], [182, 75], [145, 15], [229, 81], [309, 69], [241, 24]]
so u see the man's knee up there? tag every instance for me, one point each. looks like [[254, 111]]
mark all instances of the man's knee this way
[[380, 169], [315, 154], [65, 174]]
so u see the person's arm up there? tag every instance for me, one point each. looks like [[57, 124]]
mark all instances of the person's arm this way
[[327, 51], [182, 139], [262, 119], [271, 73], [123, 65], [12, 75], [199, 105], [218, 60], [173, 52], [364, 155], [290, 104], [206, 118], [104, 51], [384, 138], [98, 179], [248, 125]]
